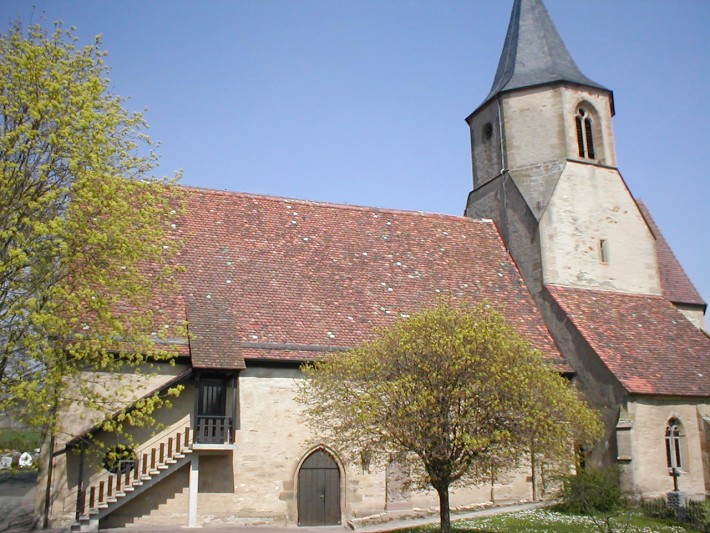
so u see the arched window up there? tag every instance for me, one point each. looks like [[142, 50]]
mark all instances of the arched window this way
[[674, 444], [585, 137]]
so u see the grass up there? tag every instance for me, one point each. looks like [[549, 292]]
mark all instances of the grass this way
[[24, 440], [542, 520]]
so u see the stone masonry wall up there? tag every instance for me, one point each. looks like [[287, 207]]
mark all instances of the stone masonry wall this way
[[591, 204], [650, 417]]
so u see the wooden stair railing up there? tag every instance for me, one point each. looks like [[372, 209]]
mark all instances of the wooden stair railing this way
[[148, 463]]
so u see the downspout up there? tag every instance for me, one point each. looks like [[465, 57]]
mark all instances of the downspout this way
[[235, 405], [503, 161], [503, 171], [196, 421]]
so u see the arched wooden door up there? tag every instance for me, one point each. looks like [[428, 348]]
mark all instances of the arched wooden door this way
[[319, 491]]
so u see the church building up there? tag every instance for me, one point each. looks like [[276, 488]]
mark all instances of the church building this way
[[551, 234]]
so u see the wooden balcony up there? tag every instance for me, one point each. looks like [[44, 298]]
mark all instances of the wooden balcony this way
[[214, 433]]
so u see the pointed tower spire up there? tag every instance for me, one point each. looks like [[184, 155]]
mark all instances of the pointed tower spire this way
[[534, 53]]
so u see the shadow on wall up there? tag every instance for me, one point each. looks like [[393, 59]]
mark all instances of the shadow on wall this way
[[167, 502], [167, 418], [168, 498], [216, 474]]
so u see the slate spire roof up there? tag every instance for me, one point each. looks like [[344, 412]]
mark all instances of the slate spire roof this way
[[534, 53]]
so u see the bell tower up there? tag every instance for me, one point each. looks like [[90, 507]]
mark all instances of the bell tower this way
[[544, 168]]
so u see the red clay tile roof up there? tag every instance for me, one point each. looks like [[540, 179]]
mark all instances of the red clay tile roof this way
[[675, 283], [289, 279], [649, 345], [213, 338]]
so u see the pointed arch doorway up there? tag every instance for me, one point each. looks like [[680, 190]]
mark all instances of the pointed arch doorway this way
[[319, 490]]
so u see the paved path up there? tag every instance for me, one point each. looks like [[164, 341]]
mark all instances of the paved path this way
[[17, 502], [388, 526], [17, 498]]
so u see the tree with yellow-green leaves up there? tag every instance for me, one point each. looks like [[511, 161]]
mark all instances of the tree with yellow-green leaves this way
[[455, 389], [85, 239]]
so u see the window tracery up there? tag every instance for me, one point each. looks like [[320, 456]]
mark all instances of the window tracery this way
[[674, 444], [585, 133]]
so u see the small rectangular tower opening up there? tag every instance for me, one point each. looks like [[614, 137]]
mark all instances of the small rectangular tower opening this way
[[603, 251]]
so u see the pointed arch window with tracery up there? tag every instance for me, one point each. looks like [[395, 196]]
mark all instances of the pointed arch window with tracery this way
[[674, 444], [585, 133]]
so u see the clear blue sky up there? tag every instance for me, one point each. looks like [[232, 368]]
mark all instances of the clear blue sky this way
[[363, 102]]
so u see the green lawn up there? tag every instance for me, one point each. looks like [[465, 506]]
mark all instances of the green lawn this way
[[23, 440], [549, 521]]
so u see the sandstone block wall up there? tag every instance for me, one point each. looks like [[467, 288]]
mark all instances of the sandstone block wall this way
[[534, 127], [256, 482], [132, 385], [650, 417], [591, 204], [486, 139]]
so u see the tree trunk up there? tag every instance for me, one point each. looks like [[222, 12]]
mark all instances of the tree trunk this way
[[52, 428], [48, 488], [533, 473], [444, 512]]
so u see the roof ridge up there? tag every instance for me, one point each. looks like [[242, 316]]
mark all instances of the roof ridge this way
[[335, 205]]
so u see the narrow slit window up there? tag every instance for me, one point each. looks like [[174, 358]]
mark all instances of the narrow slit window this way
[[603, 251], [585, 134]]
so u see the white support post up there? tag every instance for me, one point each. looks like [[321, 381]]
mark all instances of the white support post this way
[[194, 483]]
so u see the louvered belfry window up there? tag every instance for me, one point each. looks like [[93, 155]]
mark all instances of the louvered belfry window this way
[[585, 136]]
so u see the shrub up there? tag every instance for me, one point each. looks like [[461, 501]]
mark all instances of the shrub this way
[[695, 513], [699, 515], [657, 508], [591, 491], [119, 459]]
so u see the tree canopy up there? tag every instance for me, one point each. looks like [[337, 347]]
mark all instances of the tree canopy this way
[[456, 388], [85, 235]]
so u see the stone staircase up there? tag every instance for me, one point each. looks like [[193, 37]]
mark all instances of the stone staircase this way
[[112, 490]]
